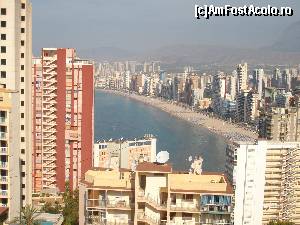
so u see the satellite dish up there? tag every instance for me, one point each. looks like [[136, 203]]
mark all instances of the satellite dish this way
[[146, 159], [162, 157]]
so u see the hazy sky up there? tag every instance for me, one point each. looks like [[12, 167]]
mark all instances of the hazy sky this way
[[140, 25]]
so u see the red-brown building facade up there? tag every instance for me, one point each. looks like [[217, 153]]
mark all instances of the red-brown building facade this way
[[63, 112]]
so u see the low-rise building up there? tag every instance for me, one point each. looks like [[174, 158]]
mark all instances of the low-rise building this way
[[123, 153], [154, 194]]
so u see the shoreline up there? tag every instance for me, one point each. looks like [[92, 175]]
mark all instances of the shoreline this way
[[226, 130]]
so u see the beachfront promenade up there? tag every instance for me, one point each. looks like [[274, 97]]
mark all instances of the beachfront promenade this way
[[229, 131]]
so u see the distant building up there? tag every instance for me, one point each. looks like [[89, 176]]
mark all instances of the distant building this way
[[280, 124], [63, 128], [247, 107], [265, 179], [258, 78], [154, 194], [242, 77], [124, 153]]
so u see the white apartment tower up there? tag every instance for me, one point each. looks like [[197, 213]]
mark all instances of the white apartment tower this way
[[242, 77], [15, 67], [265, 177]]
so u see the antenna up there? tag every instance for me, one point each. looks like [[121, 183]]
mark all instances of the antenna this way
[[162, 157], [196, 167], [146, 158], [133, 165]]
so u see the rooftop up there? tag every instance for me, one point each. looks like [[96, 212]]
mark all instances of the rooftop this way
[[107, 178], [154, 167], [203, 183]]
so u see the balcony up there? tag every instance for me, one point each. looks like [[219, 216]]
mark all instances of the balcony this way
[[4, 193], [215, 222], [3, 165], [3, 179], [216, 209], [97, 220], [184, 222], [186, 207], [141, 216], [2, 135], [156, 203], [3, 150], [2, 120], [119, 204]]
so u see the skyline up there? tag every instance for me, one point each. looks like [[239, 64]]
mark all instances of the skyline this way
[[144, 26]]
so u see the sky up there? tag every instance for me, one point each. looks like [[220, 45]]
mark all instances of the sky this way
[[144, 25]]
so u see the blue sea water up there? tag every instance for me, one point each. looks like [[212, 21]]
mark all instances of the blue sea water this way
[[118, 116]]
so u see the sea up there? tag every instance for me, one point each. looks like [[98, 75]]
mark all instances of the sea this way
[[121, 117]]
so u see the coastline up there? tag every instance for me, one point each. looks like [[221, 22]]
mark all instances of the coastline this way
[[227, 130]]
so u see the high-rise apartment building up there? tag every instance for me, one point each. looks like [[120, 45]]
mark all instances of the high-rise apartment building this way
[[247, 107], [242, 77], [16, 126], [280, 124], [63, 105], [266, 182], [154, 194], [258, 76]]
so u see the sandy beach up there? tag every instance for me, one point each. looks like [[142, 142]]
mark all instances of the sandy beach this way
[[220, 127]]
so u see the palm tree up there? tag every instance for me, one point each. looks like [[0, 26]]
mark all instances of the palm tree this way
[[28, 216]]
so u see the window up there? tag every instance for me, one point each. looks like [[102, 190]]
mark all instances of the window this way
[[22, 139], [22, 18], [22, 67], [3, 61], [22, 91], [22, 104], [23, 197], [188, 197], [3, 37], [22, 55], [23, 185], [3, 23], [3, 74], [23, 151], [22, 30], [23, 5], [23, 174], [22, 162], [187, 216], [22, 115], [22, 79], [3, 49], [22, 43], [22, 127], [3, 11]]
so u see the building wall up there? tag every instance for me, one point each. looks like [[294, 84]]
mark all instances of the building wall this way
[[16, 76], [264, 175], [66, 105]]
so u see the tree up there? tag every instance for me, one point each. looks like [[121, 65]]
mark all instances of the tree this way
[[50, 208], [71, 209], [28, 216], [281, 223]]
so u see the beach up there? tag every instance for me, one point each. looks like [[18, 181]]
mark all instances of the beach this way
[[229, 131]]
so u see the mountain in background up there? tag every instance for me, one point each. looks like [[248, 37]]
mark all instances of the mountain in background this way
[[284, 51], [289, 40], [107, 54]]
